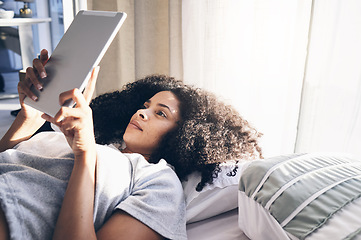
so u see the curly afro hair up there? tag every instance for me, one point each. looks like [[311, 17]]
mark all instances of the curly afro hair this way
[[209, 133], [112, 111]]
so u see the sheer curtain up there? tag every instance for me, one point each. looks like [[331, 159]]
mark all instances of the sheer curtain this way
[[149, 42], [291, 67], [330, 118], [251, 54]]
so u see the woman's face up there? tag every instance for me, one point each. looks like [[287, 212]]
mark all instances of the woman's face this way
[[148, 125]]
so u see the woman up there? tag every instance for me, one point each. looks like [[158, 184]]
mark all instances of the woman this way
[[158, 118], [210, 132]]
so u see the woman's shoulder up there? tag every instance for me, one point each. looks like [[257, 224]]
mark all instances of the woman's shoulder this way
[[142, 167], [135, 166], [160, 173]]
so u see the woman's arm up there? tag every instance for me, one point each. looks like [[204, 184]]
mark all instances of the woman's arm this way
[[76, 216], [28, 120], [123, 226], [75, 220], [21, 129]]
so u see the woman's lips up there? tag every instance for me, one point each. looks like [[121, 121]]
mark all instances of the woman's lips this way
[[136, 125]]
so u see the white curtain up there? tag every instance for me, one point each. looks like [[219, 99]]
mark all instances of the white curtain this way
[[290, 67], [149, 42], [252, 54], [330, 118]]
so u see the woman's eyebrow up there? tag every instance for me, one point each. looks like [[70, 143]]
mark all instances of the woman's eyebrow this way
[[161, 105], [165, 106]]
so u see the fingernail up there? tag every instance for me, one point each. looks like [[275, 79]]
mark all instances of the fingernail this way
[[35, 98], [39, 87], [43, 75]]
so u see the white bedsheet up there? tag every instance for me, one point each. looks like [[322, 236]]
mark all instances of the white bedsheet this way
[[223, 226]]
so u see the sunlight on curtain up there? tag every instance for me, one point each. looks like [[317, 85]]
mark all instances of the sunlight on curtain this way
[[252, 54], [149, 42], [331, 107]]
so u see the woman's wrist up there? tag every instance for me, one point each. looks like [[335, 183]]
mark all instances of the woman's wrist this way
[[34, 117], [21, 129], [86, 158]]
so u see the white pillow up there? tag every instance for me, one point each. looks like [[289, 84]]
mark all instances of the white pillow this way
[[301, 196], [215, 198]]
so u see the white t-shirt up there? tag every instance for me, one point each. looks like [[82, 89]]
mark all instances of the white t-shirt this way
[[34, 177]]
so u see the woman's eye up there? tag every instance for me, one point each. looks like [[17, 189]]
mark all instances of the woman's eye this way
[[162, 114]]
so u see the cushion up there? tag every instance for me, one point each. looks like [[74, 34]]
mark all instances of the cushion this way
[[216, 198], [301, 196]]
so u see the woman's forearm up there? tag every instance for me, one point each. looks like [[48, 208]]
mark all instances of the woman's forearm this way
[[28, 120], [75, 220], [20, 130]]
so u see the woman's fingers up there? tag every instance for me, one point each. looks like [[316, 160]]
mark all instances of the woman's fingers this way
[[32, 76], [44, 56], [68, 119], [66, 112], [39, 64], [39, 68], [75, 95], [24, 90], [89, 89], [75, 123], [81, 109], [69, 124]]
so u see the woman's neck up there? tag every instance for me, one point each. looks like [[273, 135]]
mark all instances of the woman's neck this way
[[126, 150]]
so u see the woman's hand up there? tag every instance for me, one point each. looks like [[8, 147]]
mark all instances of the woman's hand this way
[[32, 79], [77, 123], [28, 120]]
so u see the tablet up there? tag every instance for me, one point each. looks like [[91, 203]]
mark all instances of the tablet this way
[[80, 50]]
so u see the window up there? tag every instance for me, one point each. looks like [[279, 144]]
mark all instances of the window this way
[[45, 35]]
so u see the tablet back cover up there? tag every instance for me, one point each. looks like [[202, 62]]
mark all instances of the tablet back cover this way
[[78, 52]]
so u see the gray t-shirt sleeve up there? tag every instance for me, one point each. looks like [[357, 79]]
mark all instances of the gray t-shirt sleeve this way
[[157, 199]]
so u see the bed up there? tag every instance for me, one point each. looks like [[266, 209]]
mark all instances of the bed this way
[[295, 196], [309, 196], [212, 214]]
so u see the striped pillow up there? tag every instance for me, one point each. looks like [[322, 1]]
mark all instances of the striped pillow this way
[[299, 196]]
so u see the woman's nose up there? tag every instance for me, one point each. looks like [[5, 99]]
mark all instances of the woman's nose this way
[[143, 114]]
